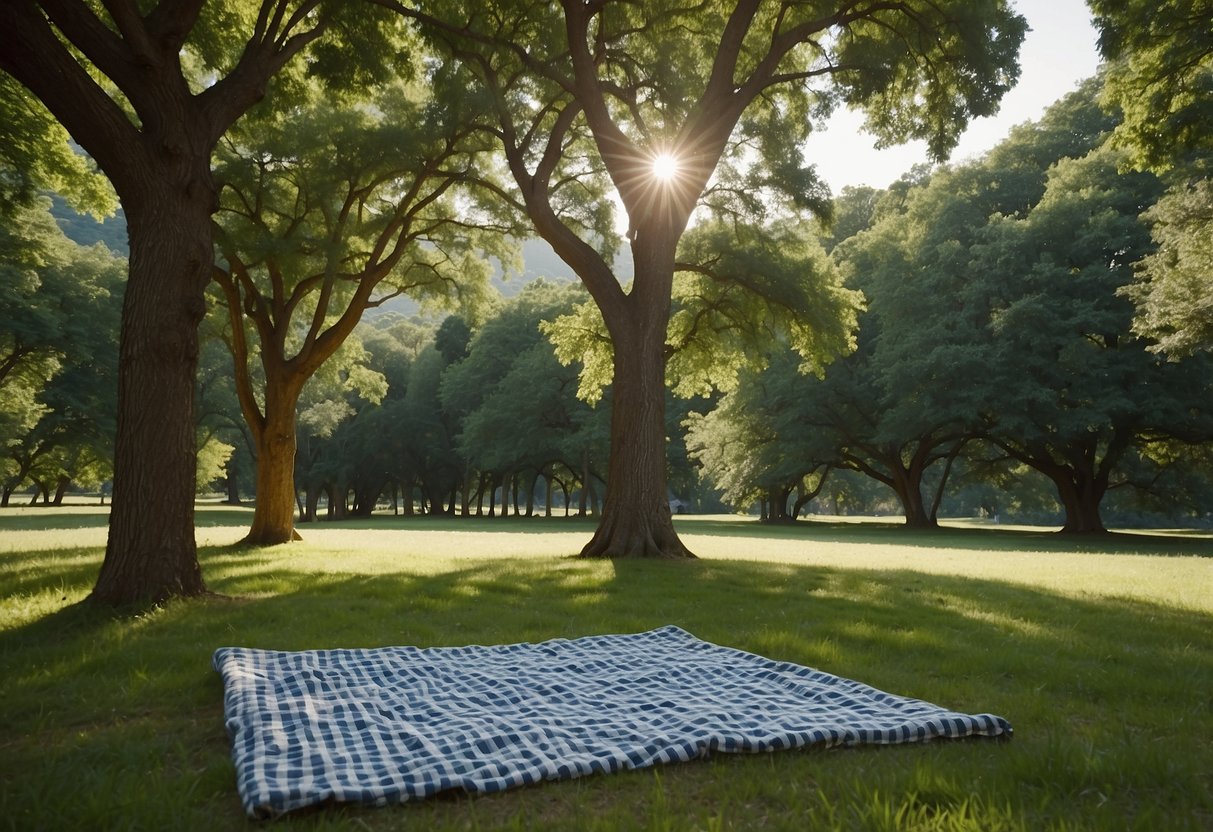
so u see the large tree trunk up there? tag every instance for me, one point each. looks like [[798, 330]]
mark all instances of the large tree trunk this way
[[310, 502], [274, 509], [151, 554], [61, 485], [908, 485], [775, 506], [1081, 481], [636, 519], [906, 480], [1080, 497]]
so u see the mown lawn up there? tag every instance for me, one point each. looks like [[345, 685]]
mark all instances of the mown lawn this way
[[1099, 653]]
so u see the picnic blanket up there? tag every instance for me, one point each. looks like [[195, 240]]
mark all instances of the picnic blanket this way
[[396, 724]]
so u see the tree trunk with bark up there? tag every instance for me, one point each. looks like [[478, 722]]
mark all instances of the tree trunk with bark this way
[[150, 554], [311, 501], [339, 502], [905, 478], [806, 495], [909, 492], [636, 519], [232, 485], [274, 435], [507, 485], [1080, 494], [61, 485], [1079, 471], [154, 141], [274, 508], [907, 482], [775, 506]]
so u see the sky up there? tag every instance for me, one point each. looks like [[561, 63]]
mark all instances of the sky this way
[[1058, 52]]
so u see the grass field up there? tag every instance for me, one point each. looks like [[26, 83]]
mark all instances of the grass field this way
[[1100, 654]]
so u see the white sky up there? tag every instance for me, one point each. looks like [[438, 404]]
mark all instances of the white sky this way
[[1058, 52]]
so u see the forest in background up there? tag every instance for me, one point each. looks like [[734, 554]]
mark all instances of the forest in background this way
[[995, 324]]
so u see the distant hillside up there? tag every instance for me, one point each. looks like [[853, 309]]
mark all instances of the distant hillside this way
[[86, 231], [539, 260]]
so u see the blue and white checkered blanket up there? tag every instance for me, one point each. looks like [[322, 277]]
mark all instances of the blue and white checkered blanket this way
[[401, 723]]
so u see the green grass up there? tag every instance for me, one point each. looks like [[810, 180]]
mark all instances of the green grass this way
[[1099, 653]]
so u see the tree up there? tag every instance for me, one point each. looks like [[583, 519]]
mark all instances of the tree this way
[[1173, 287], [36, 156], [74, 441], [589, 96], [425, 452], [343, 388], [992, 313], [516, 405], [914, 393], [58, 354], [998, 305], [328, 211], [1159, 75], [1077, 394], [30, 316], [148, 91], [752, 445]]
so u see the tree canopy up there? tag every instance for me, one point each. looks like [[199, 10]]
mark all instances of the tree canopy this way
[[993, 317], [1160, 76]]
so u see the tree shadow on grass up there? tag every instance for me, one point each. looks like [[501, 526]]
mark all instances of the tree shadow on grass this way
[[950, 537], [1081, 679]]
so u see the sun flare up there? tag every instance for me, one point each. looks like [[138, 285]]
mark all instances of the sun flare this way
[[665, 167]]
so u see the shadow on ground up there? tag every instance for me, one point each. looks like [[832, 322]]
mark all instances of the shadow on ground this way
[[128, 708]]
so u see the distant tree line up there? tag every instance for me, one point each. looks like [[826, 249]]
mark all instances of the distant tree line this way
[[448, 420], [1004, 366], [998, 339]]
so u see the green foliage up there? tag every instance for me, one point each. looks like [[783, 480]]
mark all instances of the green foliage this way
[[36, 156], [330, 395], [213, 456], [58, 352], [739, 288], [1173, 289], [854, 210], [514, 399], [30, 317], [973, 48], [1160, 75], [736, 290], [86, 230], [330, 210], [993, 314], [580, 337], [453, 338], [753, 443], [1064, 352]]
